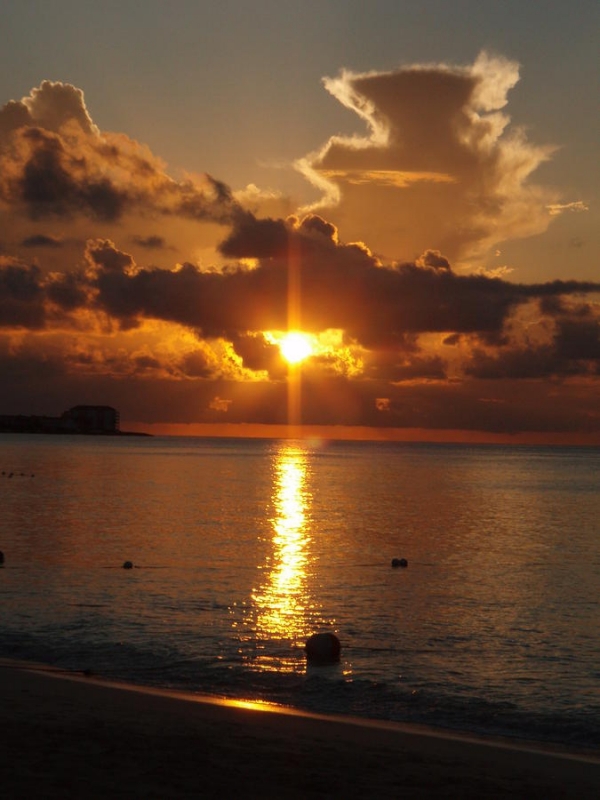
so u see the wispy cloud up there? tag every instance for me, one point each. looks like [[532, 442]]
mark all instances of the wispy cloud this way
[[560, 208]]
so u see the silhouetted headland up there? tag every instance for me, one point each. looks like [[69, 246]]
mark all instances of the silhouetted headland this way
[[79, 420]]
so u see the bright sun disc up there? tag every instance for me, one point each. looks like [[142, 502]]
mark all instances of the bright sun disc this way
[[295, 347]]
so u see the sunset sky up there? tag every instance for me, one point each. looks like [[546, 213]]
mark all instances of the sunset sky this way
[[414, 186]]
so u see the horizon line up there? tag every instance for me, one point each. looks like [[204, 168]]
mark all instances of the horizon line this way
[[244, 430]]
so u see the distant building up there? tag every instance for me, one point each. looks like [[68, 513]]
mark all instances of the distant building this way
[[79, 419]]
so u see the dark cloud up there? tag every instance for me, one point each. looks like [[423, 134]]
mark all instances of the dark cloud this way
[[67, 290], [517, 363], [340, 286], [345, 286], [573, 349], [146, 362], [374, 304], [257, 238], [53, 183], [42, 240], [103, 255], [552, 306], [452, 340], [394, 368], [258, 354], [435, 260], [578, 339], [150, 242], [196, 365], [21, 296]]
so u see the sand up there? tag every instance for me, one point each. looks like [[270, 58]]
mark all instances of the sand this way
[[79, 737]]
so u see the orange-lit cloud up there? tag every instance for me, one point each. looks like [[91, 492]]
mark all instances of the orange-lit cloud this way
[[559, 208], [59, 171], [440, 167]]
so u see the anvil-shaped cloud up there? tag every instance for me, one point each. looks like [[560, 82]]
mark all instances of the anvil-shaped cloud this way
[[440, 135]]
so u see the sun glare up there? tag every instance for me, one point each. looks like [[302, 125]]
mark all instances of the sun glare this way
[[295, 347]]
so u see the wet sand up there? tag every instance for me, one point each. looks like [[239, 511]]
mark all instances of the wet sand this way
[[78, 737]]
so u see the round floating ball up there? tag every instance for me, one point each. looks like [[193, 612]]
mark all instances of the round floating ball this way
[[128, 565], [323, 648], [1, 557], [399, 562]]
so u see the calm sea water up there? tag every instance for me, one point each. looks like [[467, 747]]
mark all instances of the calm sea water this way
[[242, 549]]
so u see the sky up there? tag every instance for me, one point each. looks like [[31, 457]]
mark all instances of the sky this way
[[413, 186]]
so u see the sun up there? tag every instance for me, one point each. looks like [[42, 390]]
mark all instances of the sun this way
[[295, 347]]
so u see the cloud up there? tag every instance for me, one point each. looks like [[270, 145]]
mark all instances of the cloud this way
[[410, 339], [376, 305], [51, 106], [256, 238], [21, 295], [395, 324], [41, 240], [150, 242], [56, 163], [559, 208], [258, 354], [567, 344], [220, 404], [441, 167]]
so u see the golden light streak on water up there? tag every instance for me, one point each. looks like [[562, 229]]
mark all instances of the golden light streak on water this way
[[283, 605]]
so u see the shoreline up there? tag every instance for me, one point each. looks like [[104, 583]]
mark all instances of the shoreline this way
[[555, 749], [103, 739]]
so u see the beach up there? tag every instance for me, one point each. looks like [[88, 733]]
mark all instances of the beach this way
[[74, 736]]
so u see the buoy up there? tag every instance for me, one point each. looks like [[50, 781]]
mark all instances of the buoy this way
[[1, 557], [323, 648], [399, 562], [128, 565]]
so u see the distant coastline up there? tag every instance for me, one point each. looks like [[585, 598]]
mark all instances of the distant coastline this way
[[78, 421], [74, 433]]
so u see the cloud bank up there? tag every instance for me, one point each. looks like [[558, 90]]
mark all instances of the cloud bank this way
[[403, 335]]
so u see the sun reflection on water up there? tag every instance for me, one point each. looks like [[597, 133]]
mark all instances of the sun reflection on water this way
[[282, 607]]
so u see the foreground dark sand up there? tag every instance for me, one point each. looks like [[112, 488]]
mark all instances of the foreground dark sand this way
[[65, 738]]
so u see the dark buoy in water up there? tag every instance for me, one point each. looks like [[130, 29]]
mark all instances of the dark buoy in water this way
[[128, 565], [399, 562], [1, 557], [323, 648]]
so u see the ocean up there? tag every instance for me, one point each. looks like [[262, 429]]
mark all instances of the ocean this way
[[241, 549]]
